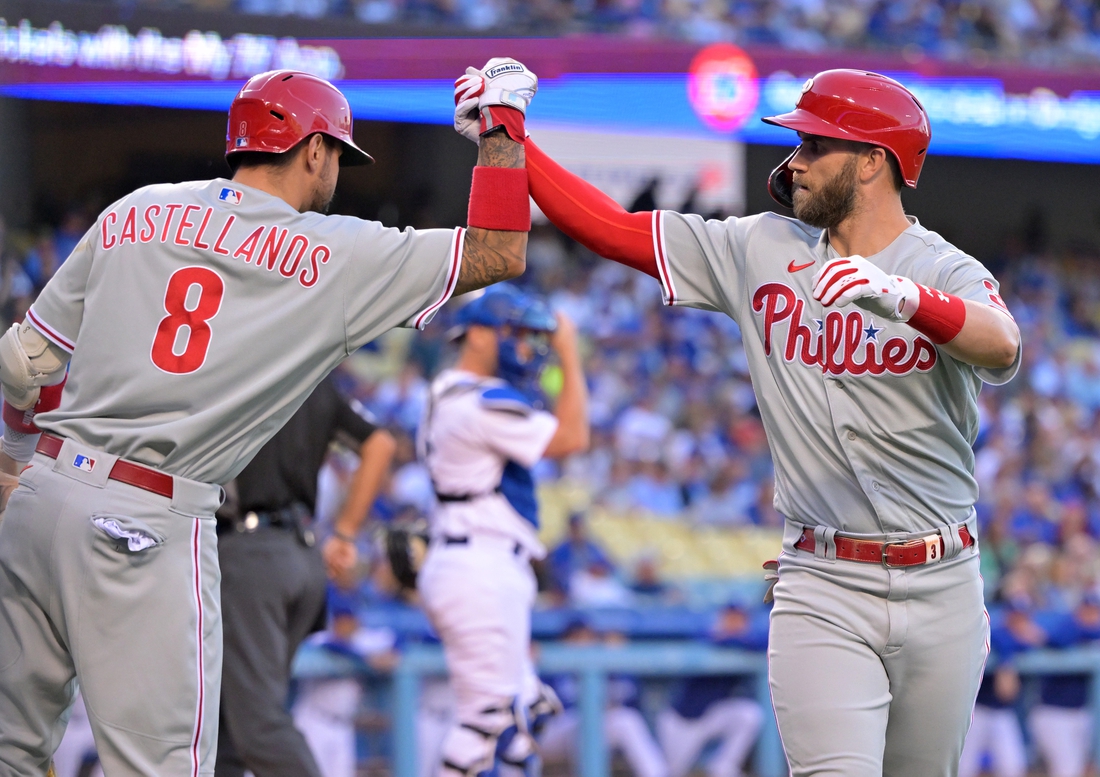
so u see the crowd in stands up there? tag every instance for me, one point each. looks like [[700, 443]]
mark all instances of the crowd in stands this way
[[676, 437], [1045, 33]]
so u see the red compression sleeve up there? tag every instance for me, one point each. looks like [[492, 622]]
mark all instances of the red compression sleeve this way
[[589, 216]]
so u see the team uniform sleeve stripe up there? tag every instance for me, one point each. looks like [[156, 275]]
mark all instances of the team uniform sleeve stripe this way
[[196, 571], [422, 318], [664, 271], [49, 332]]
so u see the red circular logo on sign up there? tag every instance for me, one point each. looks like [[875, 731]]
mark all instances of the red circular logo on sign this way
[[722, 86]]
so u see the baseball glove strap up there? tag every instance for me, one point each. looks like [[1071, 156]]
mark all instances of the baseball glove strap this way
[[907, 553]]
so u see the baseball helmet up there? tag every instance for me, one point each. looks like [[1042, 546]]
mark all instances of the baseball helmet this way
[[510, 312], [275, 111], [861, 106]]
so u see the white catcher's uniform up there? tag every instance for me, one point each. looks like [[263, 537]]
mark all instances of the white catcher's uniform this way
[[479, 439], [873, 671], [200, 316]]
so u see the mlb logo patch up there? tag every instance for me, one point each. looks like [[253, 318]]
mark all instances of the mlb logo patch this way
[[240, 142], [84, 462], [231, 196]]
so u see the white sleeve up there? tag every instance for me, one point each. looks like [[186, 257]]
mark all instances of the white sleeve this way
[[518, 435]]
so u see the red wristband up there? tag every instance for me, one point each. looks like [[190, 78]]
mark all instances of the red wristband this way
[[940, 316], [499, 199], [494, 116]]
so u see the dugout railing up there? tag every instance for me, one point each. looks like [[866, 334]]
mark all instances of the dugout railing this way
[[593, 664]]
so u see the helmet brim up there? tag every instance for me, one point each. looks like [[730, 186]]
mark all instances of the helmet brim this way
[[803, 121], [354, 156]]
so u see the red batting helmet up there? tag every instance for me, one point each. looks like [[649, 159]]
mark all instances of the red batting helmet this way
[[274, 111], [861, 106]]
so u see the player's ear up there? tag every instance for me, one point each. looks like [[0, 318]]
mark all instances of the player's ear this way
[[315, 151], [873, 162]]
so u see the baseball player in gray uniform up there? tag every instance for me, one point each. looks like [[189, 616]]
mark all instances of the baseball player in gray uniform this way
[[868, 337], [194, 319]]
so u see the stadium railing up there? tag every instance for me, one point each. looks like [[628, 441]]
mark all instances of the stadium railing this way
[[593, 665]]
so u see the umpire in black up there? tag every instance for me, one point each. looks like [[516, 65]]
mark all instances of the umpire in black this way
[[275, 574]]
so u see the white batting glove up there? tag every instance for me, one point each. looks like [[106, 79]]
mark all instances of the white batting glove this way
[[468, 89], [503, 81], [507, 82], [854, 279]]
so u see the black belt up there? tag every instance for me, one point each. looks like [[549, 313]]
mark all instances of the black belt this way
[[294, 518], [464, 497], [448, 539]]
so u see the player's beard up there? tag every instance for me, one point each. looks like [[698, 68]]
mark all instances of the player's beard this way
[[323, 196], [325, 192], [832, 203]]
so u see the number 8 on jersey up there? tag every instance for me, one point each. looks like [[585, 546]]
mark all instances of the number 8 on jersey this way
[[206, 305]]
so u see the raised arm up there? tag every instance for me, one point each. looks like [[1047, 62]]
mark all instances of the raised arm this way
[[491, 104], [589, 216], [498, 198], [490, 107], [572, 435]]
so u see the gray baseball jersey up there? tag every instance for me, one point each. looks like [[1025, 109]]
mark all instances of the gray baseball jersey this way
[[870, 423], [210, 311]]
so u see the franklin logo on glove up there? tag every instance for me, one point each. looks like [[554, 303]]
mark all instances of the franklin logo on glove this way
[[507, 67]]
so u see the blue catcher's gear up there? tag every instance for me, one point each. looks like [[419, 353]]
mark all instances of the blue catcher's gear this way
[[517, 317]]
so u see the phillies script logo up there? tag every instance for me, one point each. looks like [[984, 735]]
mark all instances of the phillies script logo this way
[[839, 343]]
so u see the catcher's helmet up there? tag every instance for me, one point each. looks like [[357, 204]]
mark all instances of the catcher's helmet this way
[[510, 311], [861, 106], [275, 111]]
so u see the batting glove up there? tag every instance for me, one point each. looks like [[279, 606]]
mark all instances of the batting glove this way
[[509, 83], [854, 279], [467, 116], [502, 82]]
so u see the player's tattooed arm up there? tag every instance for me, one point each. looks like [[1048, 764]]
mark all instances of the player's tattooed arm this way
[[490, 255]]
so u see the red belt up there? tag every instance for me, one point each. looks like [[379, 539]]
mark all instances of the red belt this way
[[902, 553], [123, 471]]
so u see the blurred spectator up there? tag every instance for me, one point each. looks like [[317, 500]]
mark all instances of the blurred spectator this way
[[1061, 723], [641, 432], [653, 490], [1039, 34], [325, 709], [576, 553], [731, 495], [16, 289], [400, 400], [54, 246], [723, 709], [597, 586], [996, 729], [648, 587], [624, 727]]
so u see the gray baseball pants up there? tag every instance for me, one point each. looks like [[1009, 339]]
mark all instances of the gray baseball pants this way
[[140, 629], [874, 671]]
